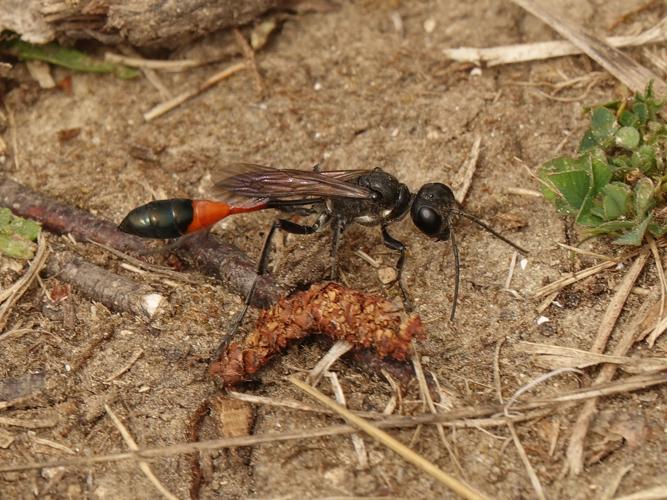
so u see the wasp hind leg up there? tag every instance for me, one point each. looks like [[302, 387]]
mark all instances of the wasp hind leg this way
[[394, 244], [288, 227]]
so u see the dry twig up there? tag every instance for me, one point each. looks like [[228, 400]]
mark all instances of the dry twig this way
[[509, 54], [463, 419], [357, 441], [143, 465], [167, 106], [406, 453], [468, 168], [628, 71], [16, 291], [575, 449]]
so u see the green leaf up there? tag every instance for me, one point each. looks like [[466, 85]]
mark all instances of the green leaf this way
[[644, 159], [611, 227], [5, 217], [644, 197], [616, 200], [657, 230], [627, 138], [628, 119], [26, 228], [641, 111], [17, 235], [16, 248], [636, 235], [588, 142], [603, 125], [67, 58]]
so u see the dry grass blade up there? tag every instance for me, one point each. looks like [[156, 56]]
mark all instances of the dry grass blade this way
[[53, 444], [628, 71], [167, 106], [587, 252], [35, 423], [657, 331], [508, 54], [552, 356], [534, 480], [282, 403], [143, 465], [327, 361], [133, 359], [561, 283], [357, 441], [452, 483], [426, 397], [575, 449], [157, 64], [468, 168], [610, 490], [464, 419], [15, 292], [629, 384], [655, 493], [159, 270]]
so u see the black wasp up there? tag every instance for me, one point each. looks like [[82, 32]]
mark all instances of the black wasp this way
[[336, 198]]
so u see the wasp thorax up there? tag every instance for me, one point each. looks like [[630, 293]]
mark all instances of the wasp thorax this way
[[384, 185]]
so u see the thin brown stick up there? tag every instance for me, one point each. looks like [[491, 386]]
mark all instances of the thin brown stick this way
[[628, 71], [116, 292], [167, 106], [210, 255], [143, 465], [406, 453], [575, 449]]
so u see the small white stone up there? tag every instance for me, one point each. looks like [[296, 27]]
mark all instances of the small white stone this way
[[317, 86], [429, 25], [523, 263], [476, 72], [151, 302], [541, 320], [387, 275]]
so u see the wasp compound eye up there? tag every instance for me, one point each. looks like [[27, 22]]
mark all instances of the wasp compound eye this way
[[427, 220]]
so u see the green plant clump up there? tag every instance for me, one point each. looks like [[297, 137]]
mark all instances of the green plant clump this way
[[616, 185], [17, 235]]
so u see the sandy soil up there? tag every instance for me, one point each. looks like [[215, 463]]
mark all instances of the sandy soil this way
[[346, 89]]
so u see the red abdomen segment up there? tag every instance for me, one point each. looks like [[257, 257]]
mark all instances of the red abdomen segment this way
[[205, 213], [163, 219]]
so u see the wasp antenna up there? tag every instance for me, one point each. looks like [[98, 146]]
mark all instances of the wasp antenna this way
[[489, 229], [457, 271]]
